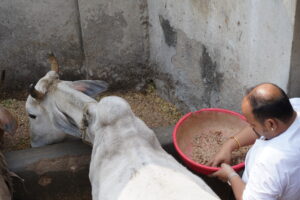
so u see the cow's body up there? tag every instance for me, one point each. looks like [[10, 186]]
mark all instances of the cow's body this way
[[128, 162]]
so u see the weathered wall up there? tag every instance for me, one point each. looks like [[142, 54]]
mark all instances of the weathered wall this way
[[29, 30], [207, 52], [94, 39], [294, 81], [200, 53], [115, 38]]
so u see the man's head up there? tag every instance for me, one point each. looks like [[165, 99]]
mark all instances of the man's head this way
[[267, 109]]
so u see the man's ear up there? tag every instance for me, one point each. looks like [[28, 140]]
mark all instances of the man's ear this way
[[271, 125]]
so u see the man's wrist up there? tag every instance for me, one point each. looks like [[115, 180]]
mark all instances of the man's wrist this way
[[238, 144], [231, 176], [231, 145]]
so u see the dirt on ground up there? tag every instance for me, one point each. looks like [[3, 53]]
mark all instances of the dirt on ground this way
[[153, 110]]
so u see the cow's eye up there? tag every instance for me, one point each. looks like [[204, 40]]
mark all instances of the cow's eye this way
[[32, 116]]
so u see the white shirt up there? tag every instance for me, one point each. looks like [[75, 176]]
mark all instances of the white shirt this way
[[272, 167]]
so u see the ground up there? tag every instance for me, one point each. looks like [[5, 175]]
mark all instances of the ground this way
[[147, 105]]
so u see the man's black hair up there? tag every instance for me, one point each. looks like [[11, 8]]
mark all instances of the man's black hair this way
[[263, 108]]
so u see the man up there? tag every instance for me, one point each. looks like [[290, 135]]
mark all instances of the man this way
[[272, 165]]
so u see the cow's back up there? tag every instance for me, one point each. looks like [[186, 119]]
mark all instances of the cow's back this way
[[161, 183]]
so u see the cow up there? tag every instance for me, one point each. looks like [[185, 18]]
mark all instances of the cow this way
[[8, 124], [127, 162], [55, 107]]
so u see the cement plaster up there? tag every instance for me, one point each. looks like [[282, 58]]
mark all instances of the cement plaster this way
[[29, 30]]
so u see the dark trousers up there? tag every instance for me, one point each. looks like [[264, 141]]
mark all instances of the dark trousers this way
[[231, 195]]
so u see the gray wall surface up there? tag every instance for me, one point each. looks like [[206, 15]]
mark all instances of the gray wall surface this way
[[115, 38], [91, 39], [211, 51], [199, 53], [29, 30], [294, 81]]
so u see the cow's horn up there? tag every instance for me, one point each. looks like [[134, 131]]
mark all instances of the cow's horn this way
[[53, 61], [34, 93]]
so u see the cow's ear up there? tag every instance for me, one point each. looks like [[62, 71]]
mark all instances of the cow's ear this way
[[90, 87], [8, 122], [65, 123]]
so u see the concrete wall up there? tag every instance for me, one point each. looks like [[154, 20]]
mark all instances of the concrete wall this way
[[93, 39], [115, 38], [200, 53], [210, 51], [54, 172], [29, 30], [294, 81]]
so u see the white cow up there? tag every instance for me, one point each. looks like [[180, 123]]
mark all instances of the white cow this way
[[127, 161], [55, 107]]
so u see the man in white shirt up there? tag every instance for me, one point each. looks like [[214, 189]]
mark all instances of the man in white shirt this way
[[272, 165]]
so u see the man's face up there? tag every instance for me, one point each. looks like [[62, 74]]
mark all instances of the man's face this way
[[257, 127]]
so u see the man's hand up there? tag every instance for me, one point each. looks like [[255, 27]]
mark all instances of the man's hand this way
[[224, 172], [227, 174], [223, 156]]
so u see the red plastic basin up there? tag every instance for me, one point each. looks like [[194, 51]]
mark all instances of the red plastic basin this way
[[209, 119]]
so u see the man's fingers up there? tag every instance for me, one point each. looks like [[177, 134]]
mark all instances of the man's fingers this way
[[223, 165], [213, 174], [227, 168], [214, 164]]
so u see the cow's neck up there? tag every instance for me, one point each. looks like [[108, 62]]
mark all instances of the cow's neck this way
[[119, 159], [125, 140]]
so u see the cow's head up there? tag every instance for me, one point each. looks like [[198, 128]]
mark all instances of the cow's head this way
[[113, 119], [56, 108]]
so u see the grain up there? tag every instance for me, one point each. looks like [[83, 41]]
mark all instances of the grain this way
[[207, 143]]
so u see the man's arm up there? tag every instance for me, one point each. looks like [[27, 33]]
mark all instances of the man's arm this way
[[238, 187], [244, 138], [227, 174], [247, 136]]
